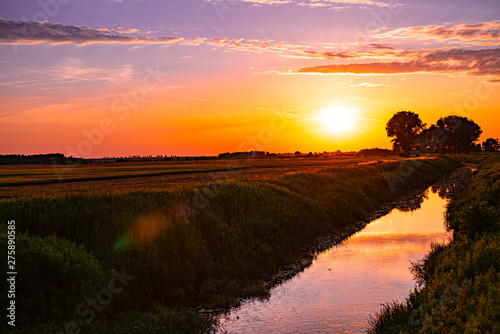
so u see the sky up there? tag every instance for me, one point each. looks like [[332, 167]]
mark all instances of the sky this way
[[101, 78]]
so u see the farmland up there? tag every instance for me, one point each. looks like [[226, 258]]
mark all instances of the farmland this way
[[202, 245], [47, 180]]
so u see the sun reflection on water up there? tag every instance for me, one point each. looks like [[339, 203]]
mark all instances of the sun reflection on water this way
[[345, 285]]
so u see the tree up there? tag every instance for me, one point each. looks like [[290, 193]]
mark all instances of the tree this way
[[404, 126], [491, 145], [461, 133], [430, 139]]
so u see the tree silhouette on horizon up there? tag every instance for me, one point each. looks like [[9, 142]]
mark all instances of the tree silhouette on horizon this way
[[491, 145], [461, 133], [404, 127]]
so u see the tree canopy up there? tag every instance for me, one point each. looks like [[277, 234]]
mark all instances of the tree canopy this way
[[491, 145], [461, 133], [450, 134], [404, 127]]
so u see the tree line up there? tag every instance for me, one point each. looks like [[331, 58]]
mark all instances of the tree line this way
[[450, 134]]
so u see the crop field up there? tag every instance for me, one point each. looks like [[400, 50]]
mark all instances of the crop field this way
[[46, 180]]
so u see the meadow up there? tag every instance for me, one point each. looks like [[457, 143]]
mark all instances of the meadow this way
[[192, 247], [459, 281]]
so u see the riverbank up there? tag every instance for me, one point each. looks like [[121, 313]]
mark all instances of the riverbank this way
[[460, 281], [192, 247]]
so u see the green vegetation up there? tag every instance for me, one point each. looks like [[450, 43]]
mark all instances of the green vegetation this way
[[189, 247], [461, 292], [54, 276]]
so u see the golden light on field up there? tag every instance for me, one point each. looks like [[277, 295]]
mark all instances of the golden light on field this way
[[337, 119]]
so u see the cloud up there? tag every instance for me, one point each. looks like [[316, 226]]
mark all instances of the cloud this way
[[329, 4], [258, 2], [334, 4], [378, 46], [482, 33], [121, 30], [45, 32], [73, 70], [195, 41], [365, 84], [483, 62], [295, 50]]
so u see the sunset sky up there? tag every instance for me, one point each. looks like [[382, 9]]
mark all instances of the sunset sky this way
[[105, 78]]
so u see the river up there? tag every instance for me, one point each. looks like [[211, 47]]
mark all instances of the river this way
[[346, 284]]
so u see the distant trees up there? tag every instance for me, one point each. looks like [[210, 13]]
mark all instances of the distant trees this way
[[450, 134], [404, 127], [491, 145], [38, 159]]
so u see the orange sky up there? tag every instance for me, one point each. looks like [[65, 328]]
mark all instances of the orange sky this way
[[223, 85]]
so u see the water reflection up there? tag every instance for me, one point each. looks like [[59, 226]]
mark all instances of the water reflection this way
[[454, 183], [345, 285]]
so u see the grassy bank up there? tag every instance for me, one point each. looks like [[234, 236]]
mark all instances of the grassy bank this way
[[461, 280], [108, 259]]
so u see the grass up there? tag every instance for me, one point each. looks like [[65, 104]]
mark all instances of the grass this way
[[202, 246], [461, 280]]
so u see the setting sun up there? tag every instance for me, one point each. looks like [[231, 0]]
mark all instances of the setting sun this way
[[338, 119]]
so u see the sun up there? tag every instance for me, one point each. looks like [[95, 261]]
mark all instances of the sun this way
[[338, 119]]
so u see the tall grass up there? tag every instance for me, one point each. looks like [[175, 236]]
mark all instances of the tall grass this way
[[244, 233]]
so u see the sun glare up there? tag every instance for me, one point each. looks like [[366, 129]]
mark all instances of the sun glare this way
[[337, 119]]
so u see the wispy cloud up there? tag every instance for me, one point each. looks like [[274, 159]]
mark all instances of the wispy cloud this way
[[365, 84], [73, 70], [329, 4], [483, 62], [296, 50], [39, 32], [45, 32], [480, 33]]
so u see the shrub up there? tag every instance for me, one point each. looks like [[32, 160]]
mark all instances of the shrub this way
[[53, 277]]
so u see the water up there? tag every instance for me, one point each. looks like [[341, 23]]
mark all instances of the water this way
[[346, 285]]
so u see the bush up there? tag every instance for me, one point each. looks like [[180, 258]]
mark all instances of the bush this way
[[53, 277], [165, 321]]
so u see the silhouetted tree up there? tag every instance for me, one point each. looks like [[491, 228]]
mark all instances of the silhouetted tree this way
[[430, 139], [490, 145], [404, 127], [461, 133], [475, 147]]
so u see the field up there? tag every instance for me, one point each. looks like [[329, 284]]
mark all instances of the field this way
[[176, 250], [47, 180]]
